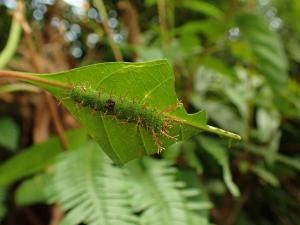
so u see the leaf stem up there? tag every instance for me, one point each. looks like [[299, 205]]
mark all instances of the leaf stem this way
[[218, 131], [58, 126], [13, 39], [208, 128], [18, 75]]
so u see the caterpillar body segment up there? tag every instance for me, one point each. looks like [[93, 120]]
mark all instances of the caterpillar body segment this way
[[126, 111]]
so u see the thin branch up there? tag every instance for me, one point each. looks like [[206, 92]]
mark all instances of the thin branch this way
[[18, 75], [130, 18], [57, 215], [103, 15], [161, 6], [58, 126], [50, 102], [231, 219]]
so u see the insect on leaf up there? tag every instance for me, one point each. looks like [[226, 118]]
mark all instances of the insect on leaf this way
[[148, 85]]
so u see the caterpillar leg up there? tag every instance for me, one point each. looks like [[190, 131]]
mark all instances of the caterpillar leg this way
[[165, 130], [157, 142], [167, 135]]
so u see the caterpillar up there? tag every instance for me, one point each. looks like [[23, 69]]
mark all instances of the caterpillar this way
[[125, 110]]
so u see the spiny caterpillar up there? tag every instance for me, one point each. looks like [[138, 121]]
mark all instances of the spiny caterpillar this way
[[126, 110]]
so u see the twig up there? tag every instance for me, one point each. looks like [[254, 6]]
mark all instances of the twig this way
[[18, 75], [238, 207], [13, 38], [57, 124], [56, 215], [103, 14], [161, 6], [130, 18], [249, 5], [53, 110]]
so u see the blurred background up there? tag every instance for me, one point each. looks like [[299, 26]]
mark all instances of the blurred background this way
[[239, 60]]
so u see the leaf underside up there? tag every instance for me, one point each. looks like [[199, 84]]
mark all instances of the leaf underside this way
[[151, 83]]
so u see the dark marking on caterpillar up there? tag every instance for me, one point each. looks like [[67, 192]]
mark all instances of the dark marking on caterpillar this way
[[125, 110], [109, 106]]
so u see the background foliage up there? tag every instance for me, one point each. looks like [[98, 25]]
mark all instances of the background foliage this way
[[237, 60]]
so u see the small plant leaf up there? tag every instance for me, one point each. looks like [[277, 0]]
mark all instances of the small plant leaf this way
[[219, 153], [266, 47], [31, 191], [150, 83], [40, 156], [160, 197], [9, 133], [90, 188]]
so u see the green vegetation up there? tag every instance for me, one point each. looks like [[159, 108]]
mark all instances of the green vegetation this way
[[200, 64]]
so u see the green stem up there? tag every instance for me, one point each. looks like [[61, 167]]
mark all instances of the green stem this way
[[12, 43], [26, 77], [17, 87], [208, 128]]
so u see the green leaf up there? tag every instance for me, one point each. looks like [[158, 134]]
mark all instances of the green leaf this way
[[90, 189], [228, 119], [274, 156], [267, 48], [9, 133], [268, 122], [213, 29], [37, 157], [220, 67], [192, 180], [2, 202], [31, 191], [266, 175], [18, 87], [149, 82], [160, 197], [190, 156], [202, 7], [219, 153]]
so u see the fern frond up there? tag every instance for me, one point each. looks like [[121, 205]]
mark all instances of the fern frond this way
[[94, 192], [159, 197], [90, 189], [2, 202]]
